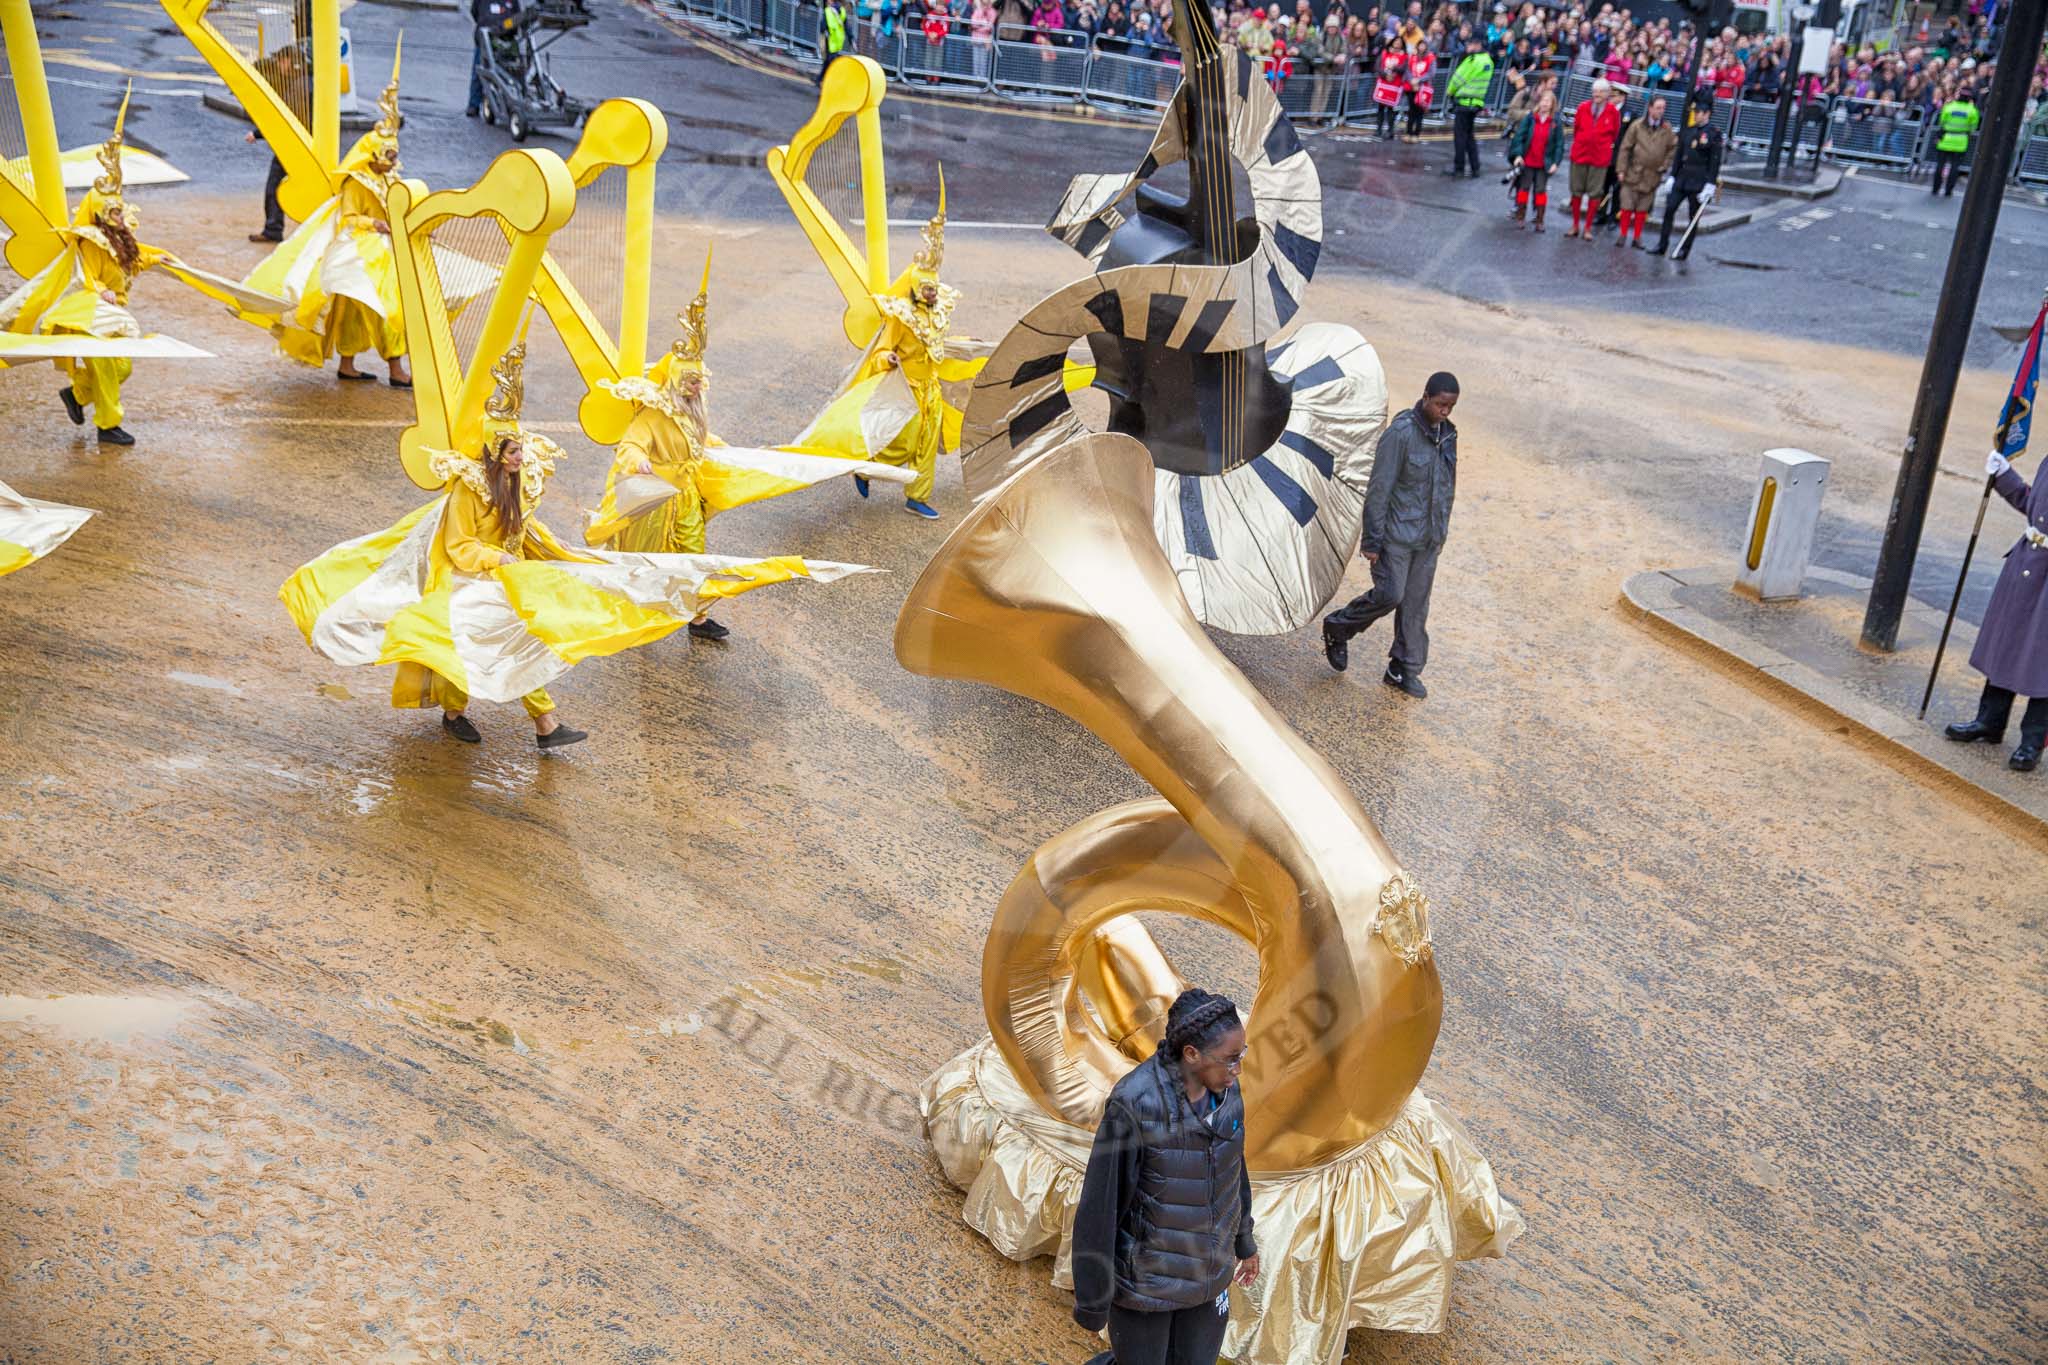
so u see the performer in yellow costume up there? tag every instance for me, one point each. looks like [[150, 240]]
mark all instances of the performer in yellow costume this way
[[472, 595], [892, 406], [336, 270], [671, 475], [84, 292]]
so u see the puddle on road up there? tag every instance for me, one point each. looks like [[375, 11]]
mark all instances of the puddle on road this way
[[107, 1018], [210, 684]]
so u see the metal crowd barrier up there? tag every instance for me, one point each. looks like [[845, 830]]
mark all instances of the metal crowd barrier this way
[[1041, 62], [1118, 78], [1874, 131]]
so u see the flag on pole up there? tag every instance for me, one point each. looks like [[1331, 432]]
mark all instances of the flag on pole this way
[[2018, 414]]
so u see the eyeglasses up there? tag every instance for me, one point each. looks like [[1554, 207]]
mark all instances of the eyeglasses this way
[[1233, 1062]]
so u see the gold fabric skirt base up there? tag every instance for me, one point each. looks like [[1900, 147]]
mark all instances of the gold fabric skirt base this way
[[1367, 1239]]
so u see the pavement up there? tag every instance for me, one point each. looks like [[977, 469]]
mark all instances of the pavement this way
[[1808, 651], [370, 1046]]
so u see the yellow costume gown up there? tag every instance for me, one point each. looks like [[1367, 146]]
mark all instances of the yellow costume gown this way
[[699, 475], [30, 528], [336, 271], [463, 613], [84, 292], [892, 407]]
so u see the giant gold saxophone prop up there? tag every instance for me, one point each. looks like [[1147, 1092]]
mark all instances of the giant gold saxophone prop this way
[[1364, 1192]]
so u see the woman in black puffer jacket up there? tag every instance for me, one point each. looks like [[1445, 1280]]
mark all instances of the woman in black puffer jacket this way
[[1165, 1220]]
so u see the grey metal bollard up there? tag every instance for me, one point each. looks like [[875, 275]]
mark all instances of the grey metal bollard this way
[[1781, 521]]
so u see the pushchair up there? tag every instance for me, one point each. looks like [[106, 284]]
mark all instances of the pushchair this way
[[517, 86]]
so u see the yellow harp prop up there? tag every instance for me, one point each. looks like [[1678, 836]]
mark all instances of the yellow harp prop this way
[[32, 203], [853, 89], [529, 195], [307, 65], [629, 136]]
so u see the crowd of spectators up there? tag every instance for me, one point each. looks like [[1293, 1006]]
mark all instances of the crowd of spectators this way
[[1928, 65]]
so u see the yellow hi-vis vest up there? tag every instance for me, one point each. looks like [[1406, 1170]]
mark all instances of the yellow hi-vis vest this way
[[1958, 121], [835, 29]]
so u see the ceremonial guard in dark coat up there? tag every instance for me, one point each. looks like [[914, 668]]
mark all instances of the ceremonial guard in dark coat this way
[[2012, 644]]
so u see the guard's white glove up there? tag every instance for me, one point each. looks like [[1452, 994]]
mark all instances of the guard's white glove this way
[[1707, 193], [1996, 464], [1665, 188]]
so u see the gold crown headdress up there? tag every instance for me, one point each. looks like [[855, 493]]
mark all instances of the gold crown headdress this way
[[934, 250], [386, 127], [108, 184], [687, 350]]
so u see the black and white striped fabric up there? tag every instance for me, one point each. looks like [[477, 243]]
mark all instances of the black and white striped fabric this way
[[1259, 549]]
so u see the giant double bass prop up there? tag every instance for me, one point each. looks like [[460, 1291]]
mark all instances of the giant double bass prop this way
[[1077, 582], [1261, 448]]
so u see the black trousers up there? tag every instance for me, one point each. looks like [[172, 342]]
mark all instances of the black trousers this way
[[1386, 117], [1465, 140], [1994, 708], [1678, 194], [1952, 162], [273, 212], [1415, 112], [1401, 581], [1186, 1336]]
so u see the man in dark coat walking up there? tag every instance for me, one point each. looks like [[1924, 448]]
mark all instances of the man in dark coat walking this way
[[2012, 644], [1407, 518]]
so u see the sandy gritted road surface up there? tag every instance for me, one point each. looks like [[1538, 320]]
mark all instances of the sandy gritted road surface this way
[[429, 1052]]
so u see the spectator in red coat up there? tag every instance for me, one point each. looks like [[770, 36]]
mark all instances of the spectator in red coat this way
[[1595, 129]]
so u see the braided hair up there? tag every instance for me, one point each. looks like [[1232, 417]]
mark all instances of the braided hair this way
[[1196, 1019]]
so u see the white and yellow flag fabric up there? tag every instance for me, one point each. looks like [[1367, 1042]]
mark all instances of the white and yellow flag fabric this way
[[501, 634], [30, 528]]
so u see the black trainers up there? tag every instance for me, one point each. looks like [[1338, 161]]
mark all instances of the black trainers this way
[[72, 407], [561, 737], [114, 436], [462, 728], [1412, 686], [1337, 651], [707, 630]]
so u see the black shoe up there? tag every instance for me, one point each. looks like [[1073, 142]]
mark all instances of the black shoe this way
[[1337, 651], [355, 377], [707, 630], [2025, 759], [399, 383], [73, 409], [462, 728], [1454, 172], [469, 113], [1636, 242], [860, 485], [1657, 250], [1412, 686], [1970, 730], [114, 436], [266, 236], [560, 737]]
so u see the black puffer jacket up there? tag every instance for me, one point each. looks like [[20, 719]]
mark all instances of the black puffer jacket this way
[[1166, 1206]]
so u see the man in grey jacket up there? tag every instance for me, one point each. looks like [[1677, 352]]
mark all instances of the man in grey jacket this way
[[1407, 518]]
